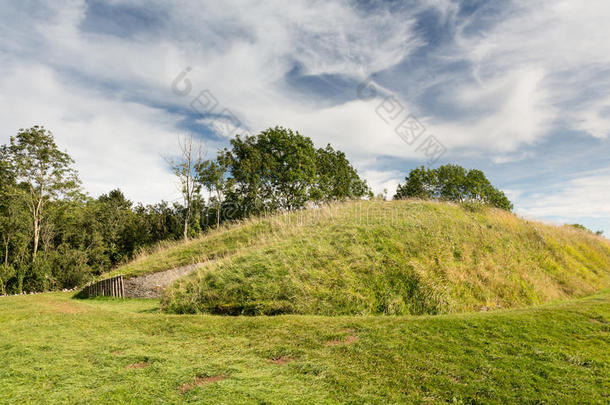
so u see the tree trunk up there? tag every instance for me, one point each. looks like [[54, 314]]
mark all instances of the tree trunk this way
[[36, 235], [186, 223], [218, 210], [218, 216], [37, 212], [6, 242]]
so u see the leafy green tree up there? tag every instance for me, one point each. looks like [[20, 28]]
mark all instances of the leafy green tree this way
[[280, 169], [420, 183], [584, 228], [44, 172], [452, 183], [336, 177], [52, 236], [6, 273], [14, 223], [7, 191], [272, 170], [113, 212]]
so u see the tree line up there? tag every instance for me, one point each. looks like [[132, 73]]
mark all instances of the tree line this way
[[55, 236]]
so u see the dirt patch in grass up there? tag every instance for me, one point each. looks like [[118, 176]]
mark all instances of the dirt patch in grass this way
[[141, 364], [200, 381], [281, 360], [349, 339]]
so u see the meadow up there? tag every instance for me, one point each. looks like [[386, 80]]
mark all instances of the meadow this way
[[56, 349], [372, 302]]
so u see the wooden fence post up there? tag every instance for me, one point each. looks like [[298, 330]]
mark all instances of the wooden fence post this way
[[110, 287]]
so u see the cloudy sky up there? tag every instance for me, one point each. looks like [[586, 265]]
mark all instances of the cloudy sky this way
[[519, 89]]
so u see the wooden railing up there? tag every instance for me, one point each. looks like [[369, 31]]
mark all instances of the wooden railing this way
[[110, 287]]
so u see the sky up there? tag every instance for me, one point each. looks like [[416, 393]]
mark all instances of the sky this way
[[518, 89]]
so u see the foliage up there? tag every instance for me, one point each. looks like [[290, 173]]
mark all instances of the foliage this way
[[42, 171], [337, 180], [452, 183], [52, 236], [58, 350], [279, 169]]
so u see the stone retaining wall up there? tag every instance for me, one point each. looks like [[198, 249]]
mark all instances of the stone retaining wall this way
[[153, 285], [147, 286]]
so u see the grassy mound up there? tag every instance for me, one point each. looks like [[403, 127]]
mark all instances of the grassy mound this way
[[59, 350], [399, 257]]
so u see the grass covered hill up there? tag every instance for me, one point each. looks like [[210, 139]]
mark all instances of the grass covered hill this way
[[375, 257]]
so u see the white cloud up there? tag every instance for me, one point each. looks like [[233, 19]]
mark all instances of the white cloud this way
[[593, 118], [118, 143], [552, 53], [585, 195], [522, 113], [114, 143], [384, 180]]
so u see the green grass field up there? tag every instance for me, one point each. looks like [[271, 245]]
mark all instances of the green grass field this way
[[56, 349]]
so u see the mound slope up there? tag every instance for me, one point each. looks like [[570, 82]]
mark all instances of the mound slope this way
[[399, 257]]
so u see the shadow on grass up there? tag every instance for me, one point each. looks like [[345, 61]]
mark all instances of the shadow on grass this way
[[155, 310]]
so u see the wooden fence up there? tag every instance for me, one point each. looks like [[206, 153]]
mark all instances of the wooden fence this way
[[110, 287]]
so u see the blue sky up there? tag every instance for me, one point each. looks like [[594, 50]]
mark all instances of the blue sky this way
[[520, 89]]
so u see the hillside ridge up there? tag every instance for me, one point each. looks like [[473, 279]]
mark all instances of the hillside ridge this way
[[382, 257]]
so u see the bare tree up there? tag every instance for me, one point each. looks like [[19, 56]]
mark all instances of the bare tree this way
[[191, 155]]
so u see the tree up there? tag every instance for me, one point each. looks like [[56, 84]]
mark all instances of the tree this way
[[452, 183], [113, 213], [336, 177], [420, 183], [212, 176], [272, 170], [277, 169], [191, 156], [13, 222], [43, 171], [7, 190]]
